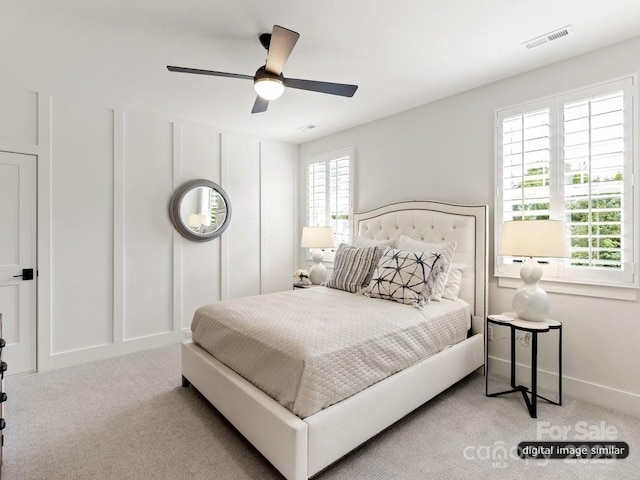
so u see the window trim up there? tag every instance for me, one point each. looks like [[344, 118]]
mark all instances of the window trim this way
[[626, 289], [326, 158]]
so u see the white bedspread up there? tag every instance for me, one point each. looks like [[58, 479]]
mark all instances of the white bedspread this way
[[309, 349]]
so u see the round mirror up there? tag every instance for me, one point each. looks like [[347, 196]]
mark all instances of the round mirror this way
[[200, 210]]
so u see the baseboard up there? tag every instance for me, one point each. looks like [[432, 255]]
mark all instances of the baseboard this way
[[101, 352], [619, 400]]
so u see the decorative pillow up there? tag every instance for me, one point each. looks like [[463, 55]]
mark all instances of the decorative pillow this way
[[454, 281], [357, 241], [446, 250], [353, 267], [404, 277]]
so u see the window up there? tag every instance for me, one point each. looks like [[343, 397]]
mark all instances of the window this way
[[571, 158], [329, 190]]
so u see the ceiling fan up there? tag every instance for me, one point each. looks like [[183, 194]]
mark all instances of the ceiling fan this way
[[268, 81]]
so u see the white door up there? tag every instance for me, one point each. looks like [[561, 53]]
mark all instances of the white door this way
[[18, 252]]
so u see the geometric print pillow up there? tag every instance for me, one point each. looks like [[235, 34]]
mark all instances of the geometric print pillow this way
[[446, 251], [405, 277]]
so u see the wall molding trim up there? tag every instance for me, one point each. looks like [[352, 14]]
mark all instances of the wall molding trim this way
[[102, 352], [622, 401], [118, 227], [13, 147], [44, 308]]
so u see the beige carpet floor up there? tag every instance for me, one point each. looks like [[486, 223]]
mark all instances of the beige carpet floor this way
[[129, 418]]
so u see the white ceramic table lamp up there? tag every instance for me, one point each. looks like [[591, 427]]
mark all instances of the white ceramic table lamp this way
[[533, 238], [196, 221], [317, 238]]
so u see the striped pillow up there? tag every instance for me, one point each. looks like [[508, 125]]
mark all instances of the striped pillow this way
[[353, 267]]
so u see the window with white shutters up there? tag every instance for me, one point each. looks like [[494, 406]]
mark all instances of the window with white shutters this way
[[571, 158], [526, 157], [329, 191], [594, 158]]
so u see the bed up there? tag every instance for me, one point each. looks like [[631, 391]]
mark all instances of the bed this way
[[302, 445]]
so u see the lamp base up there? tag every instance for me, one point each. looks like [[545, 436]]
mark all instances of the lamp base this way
[[317, 272], [531, 301]]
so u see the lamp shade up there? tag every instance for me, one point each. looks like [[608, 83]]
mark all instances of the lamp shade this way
[[534, 238], [317, 237], [196, 220]]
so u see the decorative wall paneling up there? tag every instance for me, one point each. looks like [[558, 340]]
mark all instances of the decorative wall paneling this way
[[114, 275]]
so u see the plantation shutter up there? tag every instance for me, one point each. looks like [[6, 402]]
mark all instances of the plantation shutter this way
[[329, 193], [594, 160], [526, 157], [339, 199], [317, 193]]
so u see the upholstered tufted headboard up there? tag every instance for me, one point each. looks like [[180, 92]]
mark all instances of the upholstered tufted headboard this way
[[436, 222]]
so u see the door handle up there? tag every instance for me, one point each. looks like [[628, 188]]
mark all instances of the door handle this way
[[27, 274]]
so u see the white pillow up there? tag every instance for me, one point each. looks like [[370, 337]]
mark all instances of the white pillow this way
[[454, 281], [445, 250], [360, 242]]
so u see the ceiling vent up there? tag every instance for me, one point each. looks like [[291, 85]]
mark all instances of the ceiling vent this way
[[548, 37], [308, 126]]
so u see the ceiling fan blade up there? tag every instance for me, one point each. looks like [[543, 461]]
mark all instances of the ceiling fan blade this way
[[342, 89], [260, 105], [282, 43], [208, 72]]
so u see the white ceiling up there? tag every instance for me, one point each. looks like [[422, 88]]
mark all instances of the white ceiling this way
[[402, 54]]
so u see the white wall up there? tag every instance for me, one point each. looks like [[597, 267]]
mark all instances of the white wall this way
[[82, 213], [445, 151], [115, 276], [278, 239], [243, 238], [148, 161]]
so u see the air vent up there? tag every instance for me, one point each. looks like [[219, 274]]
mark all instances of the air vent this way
[[548, 37], [308, 126]]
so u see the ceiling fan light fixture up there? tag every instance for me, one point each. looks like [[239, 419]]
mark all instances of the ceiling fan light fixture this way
[[269, 82], [269, 88]]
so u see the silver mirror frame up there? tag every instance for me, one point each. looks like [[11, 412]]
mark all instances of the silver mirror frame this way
[[176, 201]]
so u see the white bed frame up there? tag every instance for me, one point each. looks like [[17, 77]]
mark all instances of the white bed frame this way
[[300, 448]]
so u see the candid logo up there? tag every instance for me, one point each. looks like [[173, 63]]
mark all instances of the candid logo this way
[[497, 454], [579, 431]]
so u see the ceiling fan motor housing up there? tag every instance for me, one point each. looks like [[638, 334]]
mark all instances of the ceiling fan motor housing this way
[[265, 40], [262, 73]]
